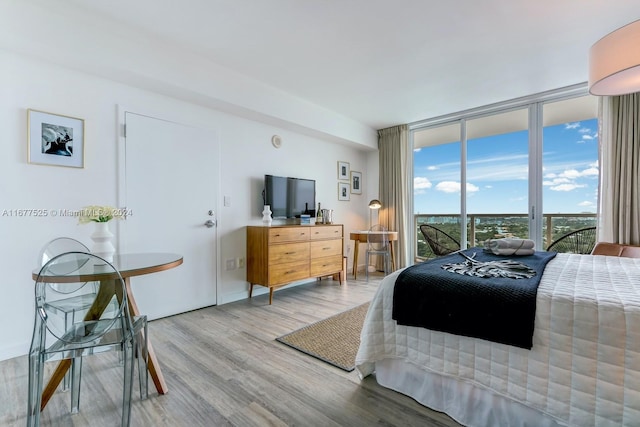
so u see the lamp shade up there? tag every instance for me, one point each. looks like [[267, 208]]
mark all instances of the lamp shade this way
[[375, 204], [614, 62]]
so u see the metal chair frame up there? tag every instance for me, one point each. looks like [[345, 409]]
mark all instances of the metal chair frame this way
[[439, 242], [580, 241]]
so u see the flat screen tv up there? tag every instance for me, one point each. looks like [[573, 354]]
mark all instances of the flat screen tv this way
[[289, 197]]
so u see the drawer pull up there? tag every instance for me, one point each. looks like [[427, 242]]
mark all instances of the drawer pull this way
[[289, 253], [326, 248]]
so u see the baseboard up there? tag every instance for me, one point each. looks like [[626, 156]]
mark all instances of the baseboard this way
[[16, 350]]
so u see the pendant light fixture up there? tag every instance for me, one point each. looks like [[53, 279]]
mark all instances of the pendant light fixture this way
[[614, 62]]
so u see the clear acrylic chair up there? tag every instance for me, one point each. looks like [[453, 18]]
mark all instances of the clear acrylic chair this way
[[72, 307], [107, 325], [378, 244]]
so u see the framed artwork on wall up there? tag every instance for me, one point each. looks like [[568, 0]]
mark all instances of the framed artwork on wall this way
[[343, 191], [55, 140], [356, 182], [343, 170]]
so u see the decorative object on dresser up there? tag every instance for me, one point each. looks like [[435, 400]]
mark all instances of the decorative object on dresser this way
[[280, 255], [266, 215]]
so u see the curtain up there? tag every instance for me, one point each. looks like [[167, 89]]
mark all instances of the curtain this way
[[394, 191], [619, 191]]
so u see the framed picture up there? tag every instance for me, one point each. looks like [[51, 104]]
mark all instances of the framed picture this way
[[356, 182], [55, 140], [343, 170], [343, 191]]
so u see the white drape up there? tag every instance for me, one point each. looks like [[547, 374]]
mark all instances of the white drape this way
[[394, 152], [619, 191]]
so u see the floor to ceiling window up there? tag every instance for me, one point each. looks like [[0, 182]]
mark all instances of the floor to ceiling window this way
[[525, 170]]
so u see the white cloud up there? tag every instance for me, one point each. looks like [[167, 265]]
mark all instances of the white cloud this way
[[420, 184], [417, 150], [587, 137], [454, 187], [586, 203], [566, 187], [572, 125], [556, 181], [432, 168]]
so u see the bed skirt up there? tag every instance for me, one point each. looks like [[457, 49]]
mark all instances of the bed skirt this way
[[468, 404]]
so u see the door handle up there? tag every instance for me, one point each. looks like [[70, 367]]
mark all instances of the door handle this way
[[209, 223]]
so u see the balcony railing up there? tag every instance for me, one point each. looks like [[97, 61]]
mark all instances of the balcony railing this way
[[491, 226]]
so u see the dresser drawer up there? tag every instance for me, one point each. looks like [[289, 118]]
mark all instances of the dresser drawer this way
[[323, 248], [326, 232], [326, 265], [290, 252], [289, 272], [289, 234]]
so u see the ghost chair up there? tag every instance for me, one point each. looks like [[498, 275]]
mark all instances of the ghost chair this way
[[106, 326], [378, 243]]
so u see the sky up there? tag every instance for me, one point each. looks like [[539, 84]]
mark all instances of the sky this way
[[497, 173]]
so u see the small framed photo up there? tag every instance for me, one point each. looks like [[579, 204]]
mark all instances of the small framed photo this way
[[55, 140], [343, 170], [356, 182], [343, 191]]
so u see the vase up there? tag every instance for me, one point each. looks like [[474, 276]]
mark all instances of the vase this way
[[266, 215], [102, 238]]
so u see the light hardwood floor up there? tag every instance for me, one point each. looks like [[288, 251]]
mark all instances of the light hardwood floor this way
[[223, 367]]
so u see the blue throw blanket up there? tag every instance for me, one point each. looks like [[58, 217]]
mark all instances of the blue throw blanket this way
[[498, 309]]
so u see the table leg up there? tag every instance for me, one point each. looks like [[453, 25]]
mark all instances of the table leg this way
[[54, 382], [393, 256], [355, 259], [154, 366]]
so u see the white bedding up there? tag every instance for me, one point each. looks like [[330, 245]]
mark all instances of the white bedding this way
[[583, 369]]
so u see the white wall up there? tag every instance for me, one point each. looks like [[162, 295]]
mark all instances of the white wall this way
[[245, 150]]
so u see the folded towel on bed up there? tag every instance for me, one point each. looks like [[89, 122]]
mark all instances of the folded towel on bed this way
[[510, 246]]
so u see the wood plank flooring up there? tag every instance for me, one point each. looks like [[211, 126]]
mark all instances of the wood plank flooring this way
[[223, 367]]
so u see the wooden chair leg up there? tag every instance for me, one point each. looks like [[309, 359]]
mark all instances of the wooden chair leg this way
[[250, 289]]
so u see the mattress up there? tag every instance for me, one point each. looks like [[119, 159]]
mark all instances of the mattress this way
[[583, 368]]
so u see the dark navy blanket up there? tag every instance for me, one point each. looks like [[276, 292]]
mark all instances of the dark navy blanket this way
[[497, 309]]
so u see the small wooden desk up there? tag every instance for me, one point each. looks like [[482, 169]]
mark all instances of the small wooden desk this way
[[362, 237], [128, 265]]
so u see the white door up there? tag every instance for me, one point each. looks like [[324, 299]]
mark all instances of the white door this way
[[170, 185]]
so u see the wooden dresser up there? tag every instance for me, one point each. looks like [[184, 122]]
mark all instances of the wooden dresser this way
[[279, 255]]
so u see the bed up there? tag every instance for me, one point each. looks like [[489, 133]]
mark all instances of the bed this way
[[583, 368]]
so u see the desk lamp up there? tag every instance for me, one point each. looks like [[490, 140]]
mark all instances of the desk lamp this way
[[374, 204]]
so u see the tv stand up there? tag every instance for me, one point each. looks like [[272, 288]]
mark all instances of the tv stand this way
[[279, 255]]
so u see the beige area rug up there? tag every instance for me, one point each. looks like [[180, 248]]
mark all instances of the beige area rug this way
[[334, 340]]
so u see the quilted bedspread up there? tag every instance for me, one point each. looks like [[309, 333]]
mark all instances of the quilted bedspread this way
[[500, 309], [584, 366]]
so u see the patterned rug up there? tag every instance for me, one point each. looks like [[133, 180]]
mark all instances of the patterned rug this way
[[334, 340]]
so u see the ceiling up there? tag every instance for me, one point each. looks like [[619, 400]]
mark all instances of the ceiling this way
[[383, 62]]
